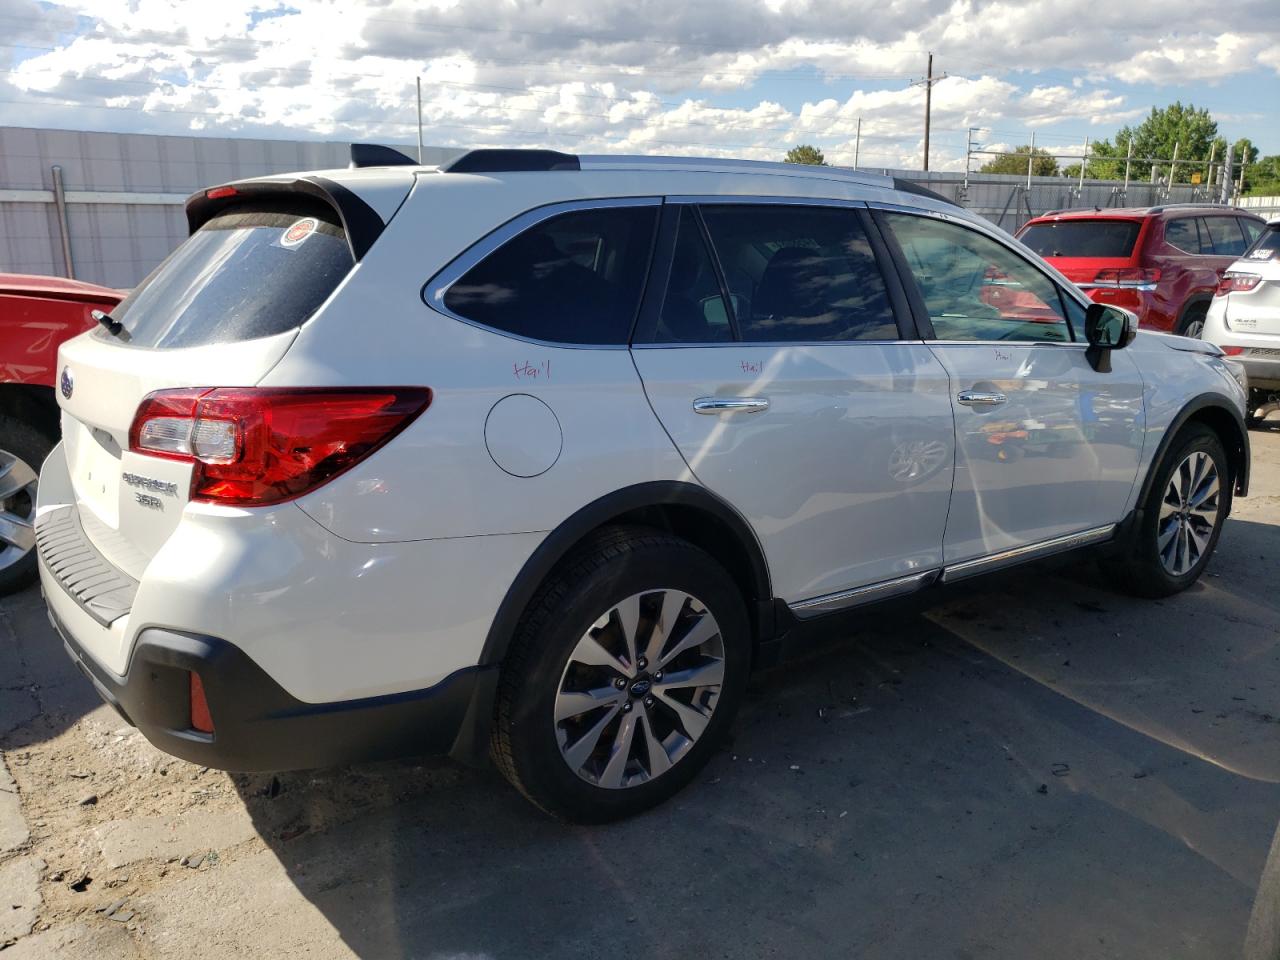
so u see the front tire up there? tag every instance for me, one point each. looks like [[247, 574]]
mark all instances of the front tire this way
[[624, 673], [1182, 517], [23, 449]]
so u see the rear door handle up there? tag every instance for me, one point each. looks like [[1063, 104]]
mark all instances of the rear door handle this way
[[714, 405], [980, 398]]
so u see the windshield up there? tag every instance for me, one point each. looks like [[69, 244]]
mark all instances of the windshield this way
[[247, 273], [1082, 238]]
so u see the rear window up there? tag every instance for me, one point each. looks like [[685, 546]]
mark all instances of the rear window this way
[[1082, 238], [247, 273], [1267, 246]]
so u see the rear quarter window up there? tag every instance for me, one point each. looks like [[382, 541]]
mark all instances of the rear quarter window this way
[[249, 272], [574, 278]]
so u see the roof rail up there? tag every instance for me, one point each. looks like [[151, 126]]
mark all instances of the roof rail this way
[[713, 164], [1160, 208], [376, 155], [511, 161]]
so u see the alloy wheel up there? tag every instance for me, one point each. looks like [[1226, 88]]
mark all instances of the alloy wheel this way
[[639, 689], [1188, 513], [17, 509]]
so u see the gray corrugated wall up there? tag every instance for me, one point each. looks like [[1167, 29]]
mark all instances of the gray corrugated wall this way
[[117, 244]]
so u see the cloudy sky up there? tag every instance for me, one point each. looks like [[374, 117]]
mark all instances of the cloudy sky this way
[[728, 77]]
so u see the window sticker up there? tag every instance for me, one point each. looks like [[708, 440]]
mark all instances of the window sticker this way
[[298, 232]]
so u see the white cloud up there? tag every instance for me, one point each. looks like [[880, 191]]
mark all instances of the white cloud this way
[[618, 75]]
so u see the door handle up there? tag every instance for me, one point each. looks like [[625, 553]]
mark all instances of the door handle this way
[[980, 398], [714, 405]]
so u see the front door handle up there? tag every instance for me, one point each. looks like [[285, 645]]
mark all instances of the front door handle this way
[[714, 405], [980, 398]]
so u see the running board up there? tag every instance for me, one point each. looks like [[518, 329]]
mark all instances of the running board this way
[[901, 586], [1032, 551], [833, 602]]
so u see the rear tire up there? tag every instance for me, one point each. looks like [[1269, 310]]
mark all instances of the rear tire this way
[[1182, 517], [1192, 322], [23, 449], [598, 715]]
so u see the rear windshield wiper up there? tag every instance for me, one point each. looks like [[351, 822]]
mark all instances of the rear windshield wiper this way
[[114, 326]]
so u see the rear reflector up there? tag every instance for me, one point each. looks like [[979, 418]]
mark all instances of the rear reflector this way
[[1237, 282], [201, 719], [1127, 278], [1233, 351], [217, 193], [253, 445]]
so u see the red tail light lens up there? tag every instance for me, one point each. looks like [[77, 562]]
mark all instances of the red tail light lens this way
[[1233, 351], [1128, 278], [1237, 283], [253, 446]]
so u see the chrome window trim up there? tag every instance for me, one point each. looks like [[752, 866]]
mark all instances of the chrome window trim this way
[[437, 288], [777, 344]]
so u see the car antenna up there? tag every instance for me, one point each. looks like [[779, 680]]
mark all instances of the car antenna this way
[[114, 326]]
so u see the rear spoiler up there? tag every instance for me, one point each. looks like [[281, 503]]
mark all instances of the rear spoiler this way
[[360, 221]]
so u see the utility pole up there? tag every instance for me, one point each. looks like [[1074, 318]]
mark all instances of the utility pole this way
[[1228, 169], [928, 109], [419, 79], [857, 144], [1031, 159], [1173, 168], [1084, 162], [928, 83], [1213, 152], [1128, 165]]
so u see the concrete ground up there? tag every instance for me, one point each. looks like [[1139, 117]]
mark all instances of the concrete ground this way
[[1036, 767]]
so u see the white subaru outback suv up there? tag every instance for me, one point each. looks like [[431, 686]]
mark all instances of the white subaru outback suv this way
[[537, 456]]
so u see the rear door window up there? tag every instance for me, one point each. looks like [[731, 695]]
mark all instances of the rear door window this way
[[800, 274], [1252, 230], [1227, 236], [1082, 238], [249, 272], [573, 278], [1186, 234]]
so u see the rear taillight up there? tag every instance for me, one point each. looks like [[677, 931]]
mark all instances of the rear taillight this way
[[1127, 278], [252, 446], [1233, 351], [1237, 283]]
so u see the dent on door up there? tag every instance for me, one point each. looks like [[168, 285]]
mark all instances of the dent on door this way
[[845, 475], [1058, 455]]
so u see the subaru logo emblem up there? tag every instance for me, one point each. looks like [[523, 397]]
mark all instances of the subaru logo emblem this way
[[641, 687], [68, 383]]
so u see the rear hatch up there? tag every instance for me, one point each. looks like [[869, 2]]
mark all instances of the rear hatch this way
[[1253, 282], [219, 312], [1082, 248]]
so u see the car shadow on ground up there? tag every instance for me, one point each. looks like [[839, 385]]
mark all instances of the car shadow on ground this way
[[1034, 766], [42, 693]]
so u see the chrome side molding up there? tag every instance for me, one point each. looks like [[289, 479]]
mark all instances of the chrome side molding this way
[[1032, 551], [832, 602]]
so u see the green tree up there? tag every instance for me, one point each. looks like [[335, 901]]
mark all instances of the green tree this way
[[1190, 127], [804, 153], [1262, 177], [1016, 162]]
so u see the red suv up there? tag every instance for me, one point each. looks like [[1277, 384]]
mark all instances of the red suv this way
[[36, 315], [1163, 263]]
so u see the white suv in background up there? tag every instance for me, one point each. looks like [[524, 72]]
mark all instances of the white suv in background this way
[[1244, 319], [537, 455]]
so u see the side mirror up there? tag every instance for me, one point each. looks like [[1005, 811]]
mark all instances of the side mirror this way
[[1107, 328]]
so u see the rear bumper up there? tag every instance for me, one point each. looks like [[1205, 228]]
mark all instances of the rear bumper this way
[[258, 726]]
